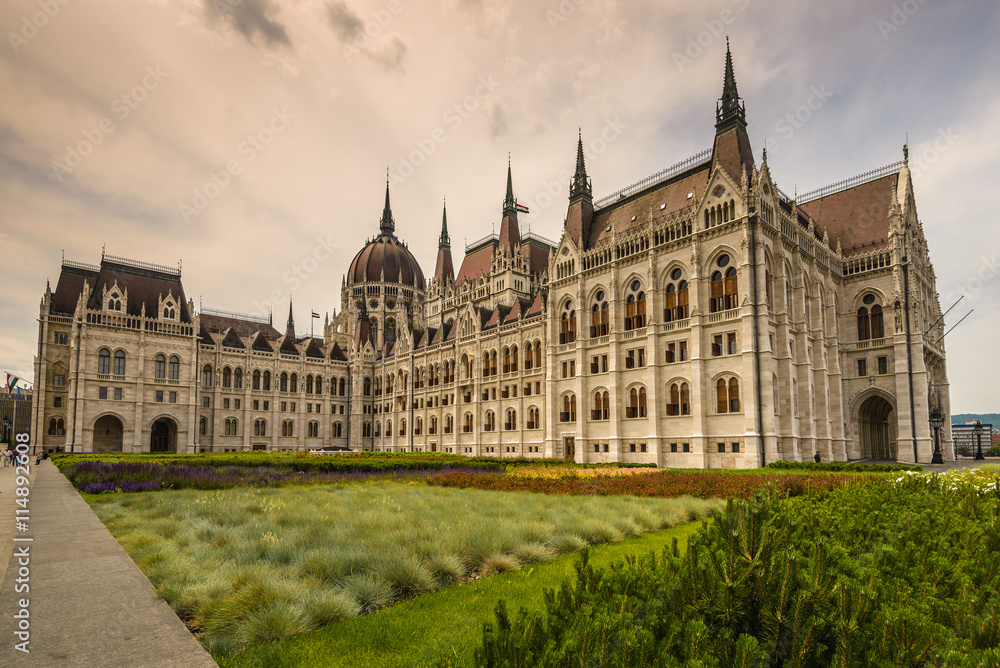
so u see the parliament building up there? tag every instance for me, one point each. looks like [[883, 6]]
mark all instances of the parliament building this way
[[699, 318]]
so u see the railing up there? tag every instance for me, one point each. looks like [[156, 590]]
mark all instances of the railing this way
[[136, 264], [872, 343], [654, 179], [867, 262], [722, 316], [634, 333], [840, 186], [236, 315], [81, 265]]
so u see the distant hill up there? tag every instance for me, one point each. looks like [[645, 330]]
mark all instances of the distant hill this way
[[987, 418]]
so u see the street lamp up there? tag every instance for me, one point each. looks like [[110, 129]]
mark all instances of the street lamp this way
[[6, 426], [936, 420], [979, 439]]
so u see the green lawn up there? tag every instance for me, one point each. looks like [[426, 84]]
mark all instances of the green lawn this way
[[249, 566], [448, 623]]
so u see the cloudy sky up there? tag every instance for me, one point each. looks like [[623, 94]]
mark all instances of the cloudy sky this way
[[249, 139]]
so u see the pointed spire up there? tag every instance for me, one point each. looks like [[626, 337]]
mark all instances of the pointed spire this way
[[444, 241], [729, 109], [580, 187], [509, 204], [290, 325], [387, 225]]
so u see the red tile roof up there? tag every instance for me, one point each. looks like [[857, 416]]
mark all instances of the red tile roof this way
[[475, 264], [241, 327], [857, 217], [732, 148], [69, 288], [145, 288], [672, 193]]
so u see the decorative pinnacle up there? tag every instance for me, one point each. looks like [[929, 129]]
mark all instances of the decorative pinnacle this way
[[509, 205], [444, 241], [580, 186], [729, 107], [387, 224]]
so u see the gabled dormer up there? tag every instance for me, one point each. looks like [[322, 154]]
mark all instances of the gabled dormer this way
[[169, 307], [115, 299]]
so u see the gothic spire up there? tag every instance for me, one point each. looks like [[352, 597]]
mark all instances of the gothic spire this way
[[290, 326], [387, 225], [580, 187], [444, 241], [729, 109], [509, 205]]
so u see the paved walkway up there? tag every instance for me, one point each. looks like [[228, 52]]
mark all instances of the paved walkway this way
[[89, 605]]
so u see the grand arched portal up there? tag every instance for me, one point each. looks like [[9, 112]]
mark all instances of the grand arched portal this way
[[108, 434], [163, 436], [877, 428]]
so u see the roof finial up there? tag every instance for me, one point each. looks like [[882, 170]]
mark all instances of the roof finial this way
[[729, 108], [509, 205], [906, 150], [387, 224], [444, 241], [764, 157]]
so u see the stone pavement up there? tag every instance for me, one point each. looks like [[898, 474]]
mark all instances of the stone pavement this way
[[88, 604]]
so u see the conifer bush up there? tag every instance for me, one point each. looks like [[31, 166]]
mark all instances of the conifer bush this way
[[886, 573]]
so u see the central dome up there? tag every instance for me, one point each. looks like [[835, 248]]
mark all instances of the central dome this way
[[385, 258]]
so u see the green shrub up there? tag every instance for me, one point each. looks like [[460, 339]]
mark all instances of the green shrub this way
[[844, 467], [885, 573]]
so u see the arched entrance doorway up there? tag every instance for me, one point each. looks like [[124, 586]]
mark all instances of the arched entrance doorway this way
[[877, 428], [109, 432], [163, 436]]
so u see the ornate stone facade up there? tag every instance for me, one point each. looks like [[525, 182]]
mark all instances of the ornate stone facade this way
[[699, 318]]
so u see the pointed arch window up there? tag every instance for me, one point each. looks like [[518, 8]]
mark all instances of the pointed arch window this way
[[267, 381], [104, 361], [599, 319], [491, 421], [206, 376], [635, 307], [569, 409], [538, 354], [174, 367], [319, 385], [534, 421], [510, 424], [119, 362], [293, 383], [283, 382], [636, 403], [227, 377], [160, 366], [602, 406], [368, 387], [467, 424], [567, 324], [255, 380]]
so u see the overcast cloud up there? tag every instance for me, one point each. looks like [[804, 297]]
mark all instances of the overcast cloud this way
[[241, 136]]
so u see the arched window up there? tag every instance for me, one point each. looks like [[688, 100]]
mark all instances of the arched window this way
[[510, 424], [721, 396], [418, 426], [267, 381], [206, 376], [203, 426], [636, 403], [513, 358], [486, 367], [174, 367], [506, 359], [538, 354], [368, 387], [567, 324], [727, 395], [238, 378], [467, 424], [119, 362], [160, 366], [599, 315], [449, 424], [685, 399], [724, 286], [864, 325], [602, 406], [674, 405], [319, 385], [342, 387], [283, 382], [309, 384], [293, 383], [635, 307], [260, 428], [730, 298], [534, 421], [491, 421], [878, 329], [255, 380], [493, 363], [734, 395], [388, 429], [227, 377], [338, 430], [433, 429], [569, 409], [287, 428]]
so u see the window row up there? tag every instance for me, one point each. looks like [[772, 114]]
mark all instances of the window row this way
[[233, 378], [231, 427]]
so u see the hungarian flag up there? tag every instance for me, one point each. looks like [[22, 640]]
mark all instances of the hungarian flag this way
[[521, 208], [11, 384], [315, 315]]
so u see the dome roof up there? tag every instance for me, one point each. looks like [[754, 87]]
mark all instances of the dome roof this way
[[386, 259]]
